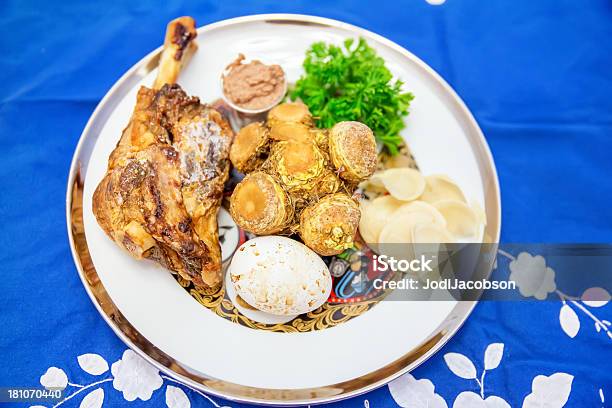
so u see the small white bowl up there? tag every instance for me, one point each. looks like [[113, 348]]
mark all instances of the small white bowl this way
[[240, 109]]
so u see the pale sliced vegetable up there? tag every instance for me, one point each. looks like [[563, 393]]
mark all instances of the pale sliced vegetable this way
[[433, 210], [440, 187], [395, 236], [429, 240], [461, 220], [431, 234], [405, 184], [395, 240], [373, 185], [376, 180], [426, 213], [374, 216]]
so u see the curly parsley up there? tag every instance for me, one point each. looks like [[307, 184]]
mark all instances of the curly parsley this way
[[352, 83]]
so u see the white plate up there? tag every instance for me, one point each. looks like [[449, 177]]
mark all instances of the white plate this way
[[155, 316]]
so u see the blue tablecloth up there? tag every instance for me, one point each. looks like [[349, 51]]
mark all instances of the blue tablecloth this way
[[536, 74]]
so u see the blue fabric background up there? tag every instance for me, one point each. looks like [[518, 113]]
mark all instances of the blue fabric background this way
[[536, 74]]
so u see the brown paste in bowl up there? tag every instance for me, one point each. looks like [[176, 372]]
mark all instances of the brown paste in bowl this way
[[253, 86]]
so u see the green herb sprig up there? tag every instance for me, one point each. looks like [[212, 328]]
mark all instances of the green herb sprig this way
[[353, 83]]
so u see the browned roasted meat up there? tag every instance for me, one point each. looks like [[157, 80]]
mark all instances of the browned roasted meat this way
[[164, 184]]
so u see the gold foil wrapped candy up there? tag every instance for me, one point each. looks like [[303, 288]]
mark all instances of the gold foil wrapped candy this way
[[260, 205], [353, 150], [329, 225], [250, 147], [300, 178]]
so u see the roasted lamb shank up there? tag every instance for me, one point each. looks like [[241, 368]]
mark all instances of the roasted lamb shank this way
[[164, 184]]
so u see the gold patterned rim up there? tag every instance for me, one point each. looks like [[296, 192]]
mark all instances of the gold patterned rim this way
[[235, 392]]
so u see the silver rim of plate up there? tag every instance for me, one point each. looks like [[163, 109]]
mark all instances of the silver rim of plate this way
[[235, 392]]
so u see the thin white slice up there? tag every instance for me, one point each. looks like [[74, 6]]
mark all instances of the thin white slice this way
[[461, 220], [418, 206], [397, 233], [375, 180], [428, 240], [374, 216], [395, 238], [440, 187], [431, 234], [372, 187], [405, 184]]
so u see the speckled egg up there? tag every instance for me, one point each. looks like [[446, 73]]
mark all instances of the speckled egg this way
[[279, 275]]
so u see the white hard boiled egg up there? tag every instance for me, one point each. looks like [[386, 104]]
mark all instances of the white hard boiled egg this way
[[280, 276]]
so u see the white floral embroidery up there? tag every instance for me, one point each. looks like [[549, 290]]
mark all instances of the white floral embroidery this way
[[532, 276], [134, 377], [460, 365], [93, 364], [493, 355], [54, 378], [469, 399], [547, 392], [94, 399], [569, 321], [526, 265], [176, 398], [595, 297], [409, 392], [463, 367]]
